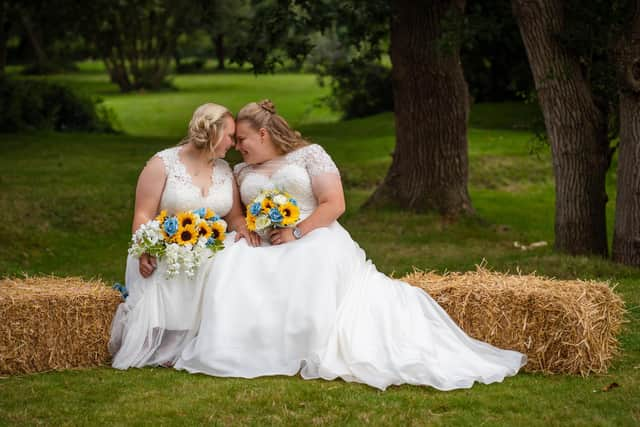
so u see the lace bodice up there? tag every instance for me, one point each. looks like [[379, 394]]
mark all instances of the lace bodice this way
[[294, 172], [180, 193]]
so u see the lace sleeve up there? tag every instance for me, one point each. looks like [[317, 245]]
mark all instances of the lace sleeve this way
[[318, 162], [239, 171]]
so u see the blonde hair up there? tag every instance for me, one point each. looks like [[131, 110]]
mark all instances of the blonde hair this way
[[263, 115], [206, 126]]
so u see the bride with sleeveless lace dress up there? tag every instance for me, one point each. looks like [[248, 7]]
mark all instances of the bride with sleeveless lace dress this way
[[160, 315], [314, 304]]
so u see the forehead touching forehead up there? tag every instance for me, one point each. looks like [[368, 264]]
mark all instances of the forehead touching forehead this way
[[243, 128], [230, 125]]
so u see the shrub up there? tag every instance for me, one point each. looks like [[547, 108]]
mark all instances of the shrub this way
[[190, 65], [41, 105], [360, 88]]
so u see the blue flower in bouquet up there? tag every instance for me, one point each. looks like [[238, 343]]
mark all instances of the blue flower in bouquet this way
[[170, 226], [215, 218], [200, 212], [275, 216], [211, 241], [293, 201], [255, 208]]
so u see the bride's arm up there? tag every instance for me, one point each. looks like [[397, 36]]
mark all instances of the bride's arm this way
[[237, 222], [148, 193], [328, 191]]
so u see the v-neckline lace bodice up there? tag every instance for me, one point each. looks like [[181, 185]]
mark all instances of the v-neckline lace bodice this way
[[181, 193]]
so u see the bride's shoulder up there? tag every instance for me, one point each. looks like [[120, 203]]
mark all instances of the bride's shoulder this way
[[164, 160], [223, 164], [307, 150], [168, 156], [315, 159], [168, 153], [240, 168]]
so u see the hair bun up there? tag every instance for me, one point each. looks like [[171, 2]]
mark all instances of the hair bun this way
[[267, 105]]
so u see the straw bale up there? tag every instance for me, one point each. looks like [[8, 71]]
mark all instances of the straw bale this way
[[49, 323], [563, 326]]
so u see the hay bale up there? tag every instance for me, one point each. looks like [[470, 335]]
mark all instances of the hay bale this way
[[563, 326], [54, 323]]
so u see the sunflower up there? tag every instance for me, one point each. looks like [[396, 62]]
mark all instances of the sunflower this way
[[217, 231], [186, 218], [209, 214], [251, 222], [161, 216], [267, 205], [204, 230], [290, 213], [186, 235]]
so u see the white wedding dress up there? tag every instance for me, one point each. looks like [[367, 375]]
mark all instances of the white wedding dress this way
[[161, 315], [318, 307]]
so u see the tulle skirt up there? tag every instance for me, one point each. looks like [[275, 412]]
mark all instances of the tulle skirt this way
[[159, 317], [317, 307]]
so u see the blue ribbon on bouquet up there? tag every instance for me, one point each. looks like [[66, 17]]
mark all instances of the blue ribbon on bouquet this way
[[122, 289]]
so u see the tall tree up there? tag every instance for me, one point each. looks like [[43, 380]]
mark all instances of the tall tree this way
[[137, 39], [429, 170], [577, 127], [626, 238], [227, 23], [4, 33]]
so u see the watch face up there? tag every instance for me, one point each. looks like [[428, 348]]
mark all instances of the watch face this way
[[296, 233]]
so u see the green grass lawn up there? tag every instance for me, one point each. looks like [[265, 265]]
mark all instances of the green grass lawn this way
[[67, 201]]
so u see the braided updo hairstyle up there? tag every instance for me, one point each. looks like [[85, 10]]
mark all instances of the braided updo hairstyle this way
[[263, 115], [206, 126]]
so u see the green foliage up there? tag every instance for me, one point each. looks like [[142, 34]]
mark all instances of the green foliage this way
[[38, 104], [360, 88], [591, 34], [493, 55], [360, 85], [190, 65], [137, 39]]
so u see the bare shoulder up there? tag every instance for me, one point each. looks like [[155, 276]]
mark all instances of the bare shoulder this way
[[155, 165]]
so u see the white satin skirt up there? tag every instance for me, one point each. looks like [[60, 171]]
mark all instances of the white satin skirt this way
[[317, 307]]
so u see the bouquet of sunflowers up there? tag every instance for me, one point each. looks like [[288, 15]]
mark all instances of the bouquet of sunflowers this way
[[272, 209], [180, 239]]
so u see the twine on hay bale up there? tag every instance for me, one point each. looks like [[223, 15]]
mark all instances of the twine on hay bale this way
[[51, 323], [563, 326]]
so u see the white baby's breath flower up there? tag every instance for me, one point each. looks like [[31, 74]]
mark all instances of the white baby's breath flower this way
[[262, 222], [280, 199]]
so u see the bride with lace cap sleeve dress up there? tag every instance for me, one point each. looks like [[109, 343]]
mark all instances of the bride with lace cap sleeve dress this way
[[160, 315], [310, 302]]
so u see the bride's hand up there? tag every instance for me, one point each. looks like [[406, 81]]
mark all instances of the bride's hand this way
[[148, 265], [252, 237], [281, 235]]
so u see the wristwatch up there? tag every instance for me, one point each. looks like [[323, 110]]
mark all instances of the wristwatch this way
[[297, 233]]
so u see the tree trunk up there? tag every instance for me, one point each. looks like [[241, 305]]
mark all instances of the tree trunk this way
[[219, 42], [429, 170], [626, 238], [34, 37], [4, 35], [576, 129]]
